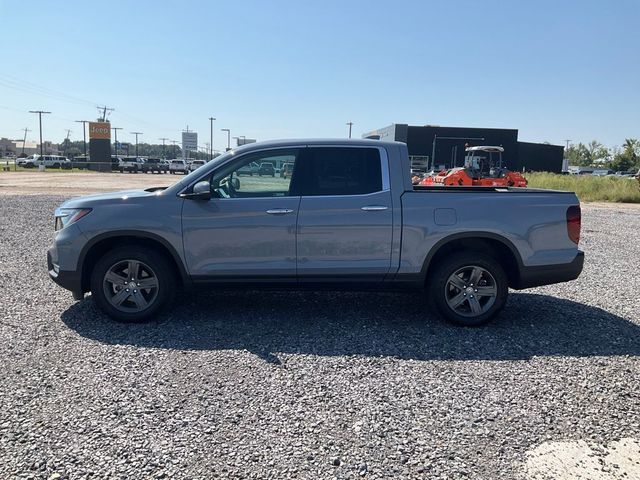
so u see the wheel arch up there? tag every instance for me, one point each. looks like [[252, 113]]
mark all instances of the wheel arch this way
[[489, 243], [101, 244]]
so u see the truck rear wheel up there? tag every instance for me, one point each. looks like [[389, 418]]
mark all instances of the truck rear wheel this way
[[469, 288], [132, 284]]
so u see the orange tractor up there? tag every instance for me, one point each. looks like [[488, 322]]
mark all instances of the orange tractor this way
[[482, 168]]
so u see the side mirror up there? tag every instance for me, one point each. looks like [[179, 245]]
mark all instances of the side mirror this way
[[201, 191]]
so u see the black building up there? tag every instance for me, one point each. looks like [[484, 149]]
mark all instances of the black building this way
[[443, 147]]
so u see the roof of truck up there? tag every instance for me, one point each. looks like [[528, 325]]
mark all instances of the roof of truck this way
[[314, 141]]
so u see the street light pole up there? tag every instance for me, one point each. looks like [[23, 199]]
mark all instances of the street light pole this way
[[228, 137], [40, 112], [115, 139], [211, 120], [136, 134], [350, 125], [84, 134]]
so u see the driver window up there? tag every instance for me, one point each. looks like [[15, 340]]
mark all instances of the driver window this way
[[261, 174]]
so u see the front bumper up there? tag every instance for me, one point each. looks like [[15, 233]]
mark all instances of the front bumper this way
[[70, 280], [548, 274]]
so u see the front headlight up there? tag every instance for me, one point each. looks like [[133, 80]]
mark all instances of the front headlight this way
[[67, 216]]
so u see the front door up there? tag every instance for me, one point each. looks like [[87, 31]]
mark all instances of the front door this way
[[248, 229]]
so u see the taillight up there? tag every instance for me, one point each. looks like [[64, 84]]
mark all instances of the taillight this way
[[574, 218]]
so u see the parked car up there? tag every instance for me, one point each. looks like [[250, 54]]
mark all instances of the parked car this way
[[131, 164], [154, 165], [195, 164], [349, 218], [178, 166], [81, 162], [249, 169], [48, 161], [115, 162], [266, 168]]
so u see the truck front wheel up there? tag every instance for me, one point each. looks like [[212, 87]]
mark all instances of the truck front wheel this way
[[132, 284], [469, 288]]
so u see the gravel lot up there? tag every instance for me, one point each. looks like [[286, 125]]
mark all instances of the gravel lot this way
[[317, 385]]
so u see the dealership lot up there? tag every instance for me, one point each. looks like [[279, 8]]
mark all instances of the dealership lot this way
[[313, 385]]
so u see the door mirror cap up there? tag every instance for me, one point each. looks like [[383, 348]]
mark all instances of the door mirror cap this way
[[200, 191]]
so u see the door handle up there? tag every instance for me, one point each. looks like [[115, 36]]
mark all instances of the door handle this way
[[279, 211], [373, 208]]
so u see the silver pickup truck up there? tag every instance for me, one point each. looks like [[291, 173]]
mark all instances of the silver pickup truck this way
[[347, 217]]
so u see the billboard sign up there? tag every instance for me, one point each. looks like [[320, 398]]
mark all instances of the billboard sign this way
[[99, 130], [189, 141]]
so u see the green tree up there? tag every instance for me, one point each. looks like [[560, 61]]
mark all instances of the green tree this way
[[592, 154], [628, 157]]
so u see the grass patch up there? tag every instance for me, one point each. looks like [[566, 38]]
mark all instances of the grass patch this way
[[589, 188]]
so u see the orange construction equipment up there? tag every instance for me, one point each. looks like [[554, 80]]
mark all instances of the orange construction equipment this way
[[481, 168]]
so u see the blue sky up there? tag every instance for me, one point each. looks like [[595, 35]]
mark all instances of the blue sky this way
[[555, 70]]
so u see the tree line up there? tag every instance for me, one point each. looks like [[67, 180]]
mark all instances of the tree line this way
[[72, 149], [595, 154]]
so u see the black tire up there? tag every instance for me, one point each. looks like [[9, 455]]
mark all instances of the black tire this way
[[56, 165], [442, 293], [166, 281]]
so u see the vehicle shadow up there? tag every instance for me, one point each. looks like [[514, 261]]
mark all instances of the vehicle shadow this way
[[381, 324]]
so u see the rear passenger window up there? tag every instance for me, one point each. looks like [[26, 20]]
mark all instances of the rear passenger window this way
[[338, 171]]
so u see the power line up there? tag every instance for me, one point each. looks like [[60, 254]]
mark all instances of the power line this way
[[104, 110], [84, 134], [40, 113], [25, 138], [136, 134], [164, 139], [115, 139]]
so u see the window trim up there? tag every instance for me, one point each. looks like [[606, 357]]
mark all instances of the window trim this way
[[384, 165]]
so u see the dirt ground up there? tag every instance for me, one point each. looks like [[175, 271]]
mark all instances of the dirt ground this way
[[78, 183]]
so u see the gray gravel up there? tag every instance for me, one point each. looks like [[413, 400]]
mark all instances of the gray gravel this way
[[311, 385]]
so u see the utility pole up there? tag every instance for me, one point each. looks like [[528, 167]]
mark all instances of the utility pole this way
[[104, 109], [136, 134], [228, 137], [567, 140], [66, 142], [40, 112], [175, 151], [350, 125], [115, 139], [163, 149], [84, 134], [25, 138], [211, 120]]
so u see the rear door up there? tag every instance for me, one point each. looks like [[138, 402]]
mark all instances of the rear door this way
[[346, 216]]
